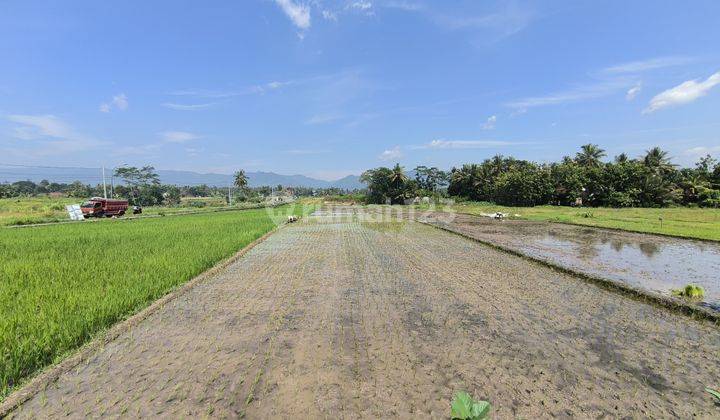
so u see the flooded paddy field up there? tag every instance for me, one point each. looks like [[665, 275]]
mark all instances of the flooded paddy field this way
[[334, 318], [651, 262]]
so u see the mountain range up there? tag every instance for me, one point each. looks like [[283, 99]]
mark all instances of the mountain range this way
[[9, 174]]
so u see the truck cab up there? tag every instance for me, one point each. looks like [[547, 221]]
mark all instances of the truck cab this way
[[103, 207]]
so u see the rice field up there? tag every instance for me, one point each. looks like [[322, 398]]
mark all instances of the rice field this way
[[61, 285], [697, 223], [44, 209], [339, 316]]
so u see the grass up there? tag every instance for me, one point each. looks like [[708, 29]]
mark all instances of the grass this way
[[715, 393], [27, 210], [61, 285], [690, 291], [45, 209], [678, 221]]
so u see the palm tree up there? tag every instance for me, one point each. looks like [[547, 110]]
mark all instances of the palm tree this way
[[692, 186], [397, 176], [397, 180], [658, 159], [498, 165], [621, 158], [241, 180], [589, 155]]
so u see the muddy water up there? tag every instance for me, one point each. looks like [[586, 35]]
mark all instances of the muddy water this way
[[648, 261]]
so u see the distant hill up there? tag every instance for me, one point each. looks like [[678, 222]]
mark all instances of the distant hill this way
[[257, 179], [94, 176]]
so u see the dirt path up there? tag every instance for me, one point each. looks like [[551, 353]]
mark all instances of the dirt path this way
[[327, 320]]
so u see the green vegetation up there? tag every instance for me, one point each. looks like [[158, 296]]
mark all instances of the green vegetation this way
[[690, 291], [650, 180], [61, 285], [28, 210], [676, 221], [46, 209], [465, 407], [715, 393]]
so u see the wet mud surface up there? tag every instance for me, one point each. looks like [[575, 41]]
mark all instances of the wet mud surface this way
[[330, 319], [651, 262]]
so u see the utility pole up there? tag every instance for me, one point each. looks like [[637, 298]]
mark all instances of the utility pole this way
[[229, 197], [104, 186]]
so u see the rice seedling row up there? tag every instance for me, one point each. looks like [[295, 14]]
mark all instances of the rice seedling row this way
[[61, 285]]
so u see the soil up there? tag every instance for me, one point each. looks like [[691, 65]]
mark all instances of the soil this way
[[655, 263], [332, 318]]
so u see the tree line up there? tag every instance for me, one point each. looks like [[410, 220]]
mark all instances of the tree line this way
[[651, 180], [142, 186]]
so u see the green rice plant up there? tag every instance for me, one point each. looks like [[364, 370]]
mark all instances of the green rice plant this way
[[690, 291], [464, 407], [61, 285], [714, 392]]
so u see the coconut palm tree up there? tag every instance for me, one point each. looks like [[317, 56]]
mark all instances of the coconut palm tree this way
[[241, 180], [658, 159], [398, 184], [589, 155], [397, 176], [621, 158]]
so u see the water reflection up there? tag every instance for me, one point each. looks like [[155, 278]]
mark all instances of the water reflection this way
[[652, 262], [587, 242]]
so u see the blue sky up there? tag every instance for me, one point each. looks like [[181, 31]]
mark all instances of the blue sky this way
[[328, 88]]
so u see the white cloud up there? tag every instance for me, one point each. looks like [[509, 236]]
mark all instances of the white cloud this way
[[403, 5], [683, 93], [276, 85], [501, 24], [605, 82], [36, 126], [119, 102], [465, 144], [391, 154], [364, 6], [583, 92], [329, 15], [187, 107], [701, 151], [53, 135], [178, 136], [226, 94], [217, 94], [298, 13], [633, 92], [490, 123], [645, 65]]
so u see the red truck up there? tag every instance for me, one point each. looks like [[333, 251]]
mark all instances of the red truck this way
[[103, 207]]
